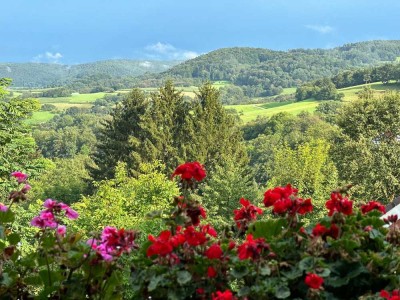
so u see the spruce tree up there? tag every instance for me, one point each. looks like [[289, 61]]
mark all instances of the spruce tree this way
[[121, 137]]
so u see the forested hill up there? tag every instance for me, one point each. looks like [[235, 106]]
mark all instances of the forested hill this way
[[50, 75], [263, 72]]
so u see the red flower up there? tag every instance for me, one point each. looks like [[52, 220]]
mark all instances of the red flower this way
[[251, 248], [227, 295], [371, 205], [303, 206], [194, 214], [246, 213], [190, 170], [321, 230], [193, 237], [214, 252], [314, 281], [278, 193], [211, 272], [162, 245], [395, 295], [339, 204]]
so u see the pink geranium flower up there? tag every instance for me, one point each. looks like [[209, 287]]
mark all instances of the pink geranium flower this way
[[21, 177]]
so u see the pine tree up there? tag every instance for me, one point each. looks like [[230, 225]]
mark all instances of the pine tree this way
[[121, 137]]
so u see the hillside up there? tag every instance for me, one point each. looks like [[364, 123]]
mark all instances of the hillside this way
[[35, 75], [263, 72]]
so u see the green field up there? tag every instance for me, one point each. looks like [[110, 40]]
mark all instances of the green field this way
[[40, 117], [250, 112]]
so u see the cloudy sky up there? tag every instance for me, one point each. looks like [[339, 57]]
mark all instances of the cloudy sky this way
[[77, 31]]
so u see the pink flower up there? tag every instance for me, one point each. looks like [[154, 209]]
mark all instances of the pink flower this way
[[3, 207], [61, 230], [26, 188], [21, 177], [50, 203], [46, 219], [69, 212]]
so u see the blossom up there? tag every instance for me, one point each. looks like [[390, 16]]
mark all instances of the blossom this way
[[69, 212], [161, 245], [214, 252], [385, 294], [26, 188], [190, 170], [193, 237], [314, 281], [339, 204], [44, 220], [114, 242], [321, 230], [3, 207], [21, 177], [371, 205], [211, 272], [194, 214], [248, 212], [251, 248], [278, 193], [61, 230], [227, 295]]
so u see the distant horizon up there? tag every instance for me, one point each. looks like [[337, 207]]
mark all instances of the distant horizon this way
[[182, 60], [75, 32]]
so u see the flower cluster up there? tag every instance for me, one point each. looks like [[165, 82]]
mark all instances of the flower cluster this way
[[285, 200], [247, 213], [252, 248], [322, 231], [189, 171], [21, 177], [48, 217], [18, 195], [314, 281], [338, 203], [394, 296], [227, 295], [371, 205], [114, 242]]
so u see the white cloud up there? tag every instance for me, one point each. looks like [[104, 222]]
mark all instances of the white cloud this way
[[145, 64], [167, 51], [323, 29], [48, 57]]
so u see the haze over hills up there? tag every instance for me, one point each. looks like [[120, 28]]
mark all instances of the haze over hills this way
[[259, 72], [36, 75]]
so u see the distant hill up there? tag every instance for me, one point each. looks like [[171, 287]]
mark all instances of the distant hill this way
[[36, 75], [263, 72]]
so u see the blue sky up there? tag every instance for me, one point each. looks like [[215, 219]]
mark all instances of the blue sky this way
[[78, 31]]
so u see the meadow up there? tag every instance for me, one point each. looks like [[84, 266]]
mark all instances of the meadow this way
[[247, 112]]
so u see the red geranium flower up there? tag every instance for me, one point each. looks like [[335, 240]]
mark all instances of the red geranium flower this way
[[193, 237], [227, 295], [190, 170], [214, 252], [194, 214], [211, 272], [394, 296], [339, 204], [321, 230], [246, 213], [278, 193], [314, 281], [162, 245], [252, 248], [371, 205]]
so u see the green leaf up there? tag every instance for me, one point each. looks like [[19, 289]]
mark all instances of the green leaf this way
[[265, 270], [154, 281], [183, 277], [307, 264], [6, 216], [13, 238], [267, 229], [293, 273], [282, 292], [244, 291], [239, 271]]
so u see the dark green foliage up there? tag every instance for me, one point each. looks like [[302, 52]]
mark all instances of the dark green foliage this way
[[368, 154], [164, 126], [322, 89], [263, 72]]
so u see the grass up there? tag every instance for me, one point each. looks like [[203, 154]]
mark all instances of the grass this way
[[250, 112], [40, 117], [351, 93]]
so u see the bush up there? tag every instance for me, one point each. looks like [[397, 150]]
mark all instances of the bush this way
[[347, 254]]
